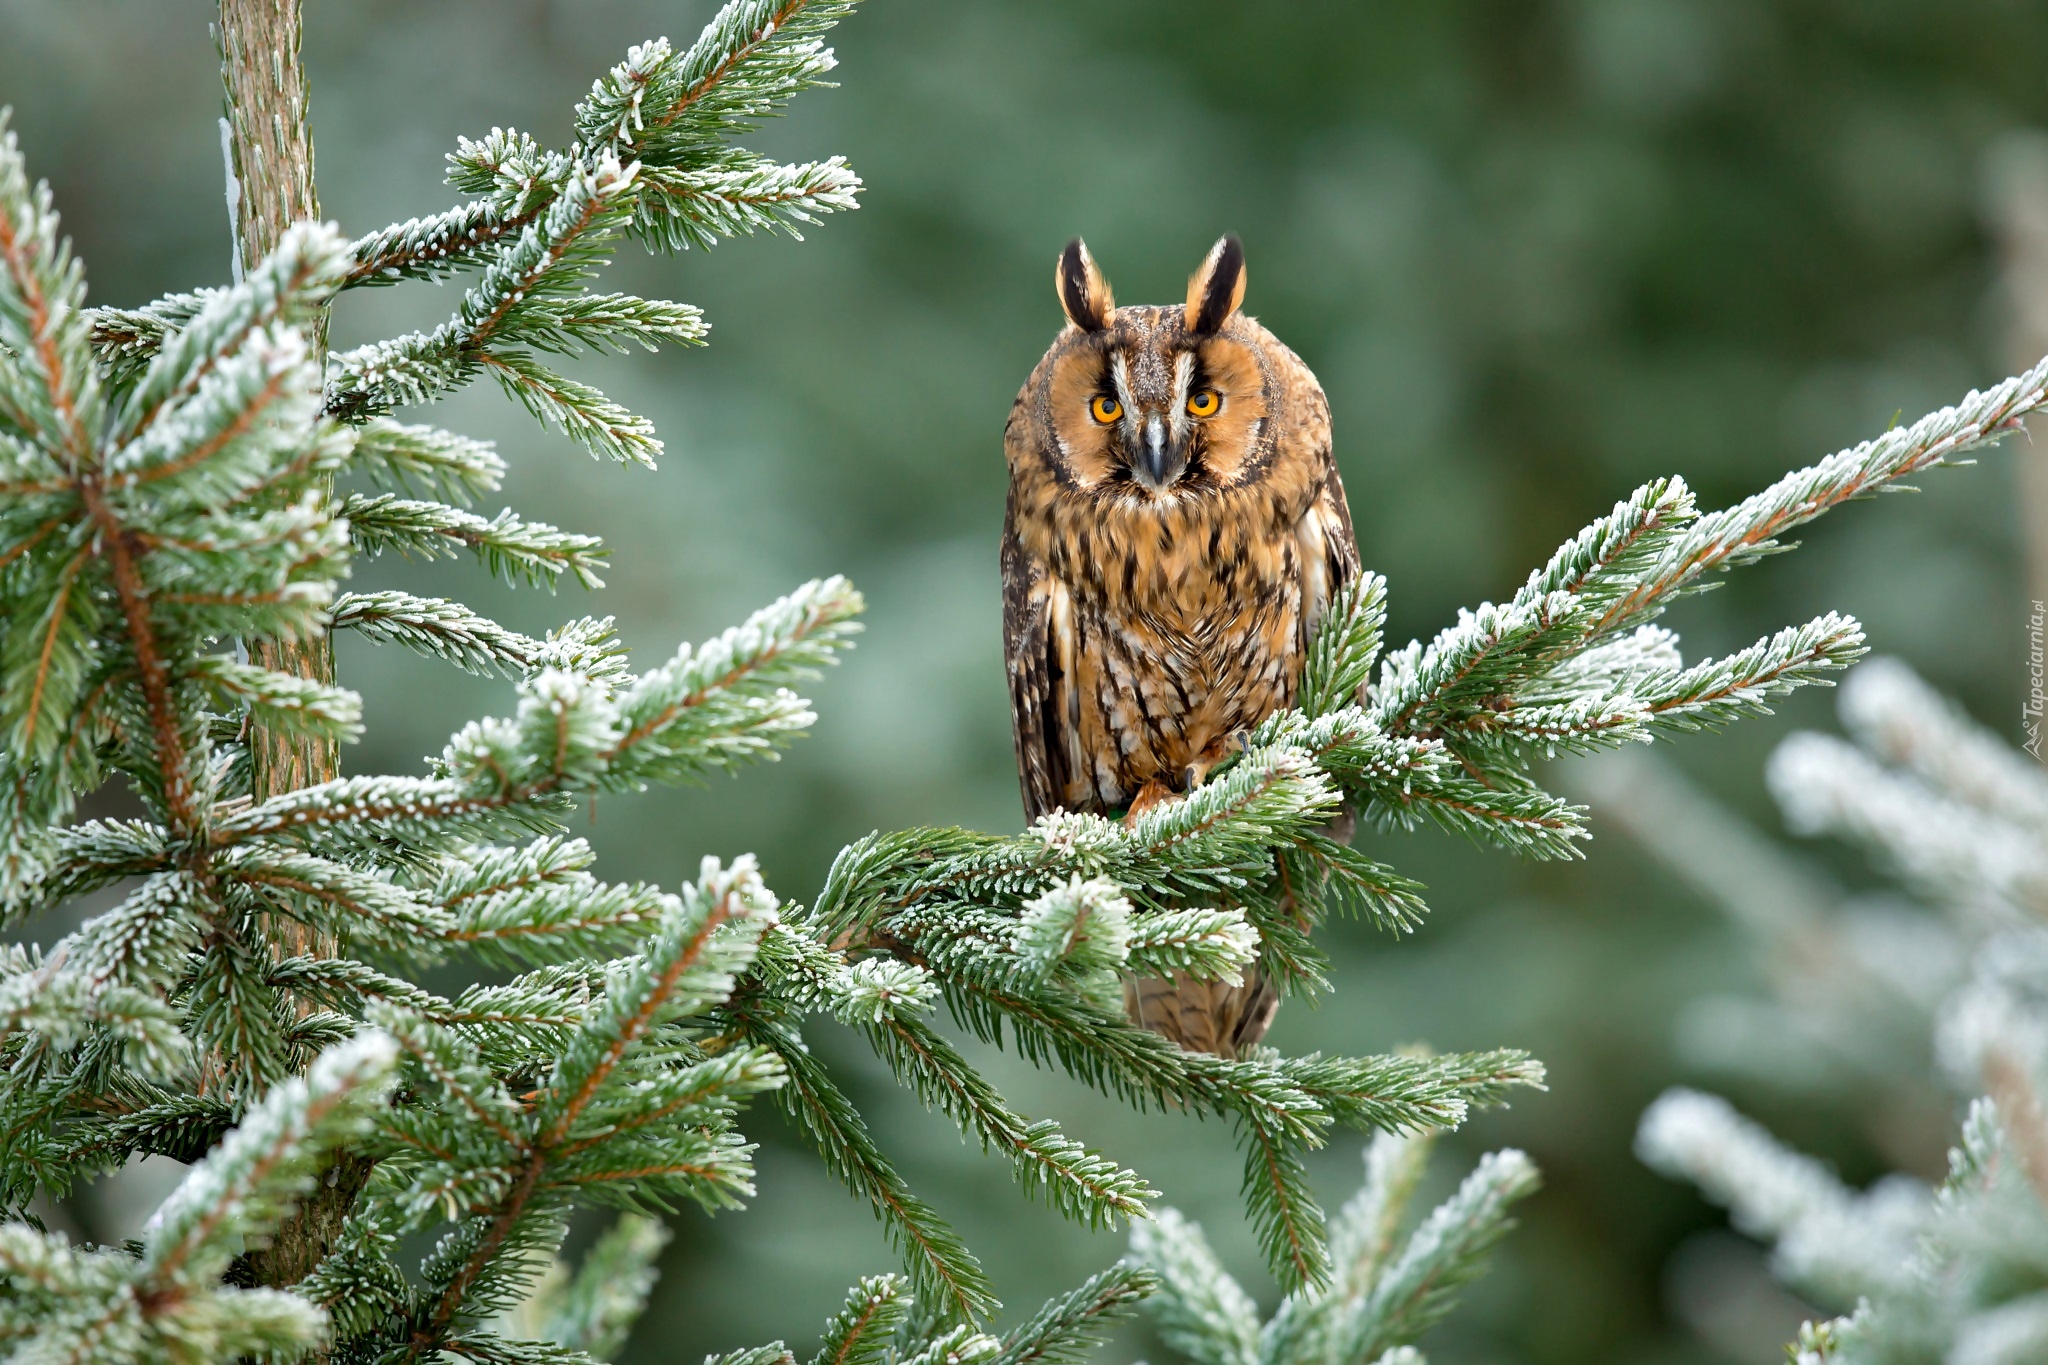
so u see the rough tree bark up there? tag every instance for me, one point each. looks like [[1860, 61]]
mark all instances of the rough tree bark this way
[[270, 154]]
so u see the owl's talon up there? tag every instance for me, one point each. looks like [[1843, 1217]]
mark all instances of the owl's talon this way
[[1219, 752]]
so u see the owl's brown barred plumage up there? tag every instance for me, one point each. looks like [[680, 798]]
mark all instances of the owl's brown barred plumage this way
[[1175, 528]]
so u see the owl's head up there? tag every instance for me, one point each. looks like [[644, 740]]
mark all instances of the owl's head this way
[[1158, 402]]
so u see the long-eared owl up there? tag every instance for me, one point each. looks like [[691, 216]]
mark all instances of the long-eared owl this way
[[1175, 528]]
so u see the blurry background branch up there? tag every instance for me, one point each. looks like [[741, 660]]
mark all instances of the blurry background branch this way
[[1888, 1002], [2016, 202]]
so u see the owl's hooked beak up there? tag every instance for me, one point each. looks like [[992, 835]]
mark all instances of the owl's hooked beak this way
[[1161, 458]]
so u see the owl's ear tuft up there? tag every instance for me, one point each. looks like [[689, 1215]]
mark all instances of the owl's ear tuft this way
[[1216, 288], [1084, 293]]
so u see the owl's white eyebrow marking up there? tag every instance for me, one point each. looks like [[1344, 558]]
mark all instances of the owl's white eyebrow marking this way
[[1183, 375], [1120, 376]]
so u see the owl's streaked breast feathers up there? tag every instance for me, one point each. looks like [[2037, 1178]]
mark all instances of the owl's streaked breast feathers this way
[[1175, 528]]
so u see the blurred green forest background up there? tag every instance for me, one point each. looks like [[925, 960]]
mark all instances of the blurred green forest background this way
[[1537, 252]]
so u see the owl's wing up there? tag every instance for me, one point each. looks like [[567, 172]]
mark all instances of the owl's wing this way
[[1327, 550], [1039, 715], [1340, 541]]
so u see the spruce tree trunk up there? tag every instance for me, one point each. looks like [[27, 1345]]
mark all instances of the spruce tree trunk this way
[[270, 151]]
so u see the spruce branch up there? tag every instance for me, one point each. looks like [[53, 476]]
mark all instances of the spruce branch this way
[[47, 665], [362, 816], [433, 247], [143, 940], [859, 1332], [1379, 1298], [528, 1014], [183, 1127], [165, 471], [683, 207], [248, 1182], [872, 991], [575, 409], [519, 175], [670, 113], [1284, 1214], [728, 699], [958, 1345], [1950, 851], [278, 298], [689, 965], [337, 983], [1898, 718], [593, 1311], [518, 299], [1720, 690], [508, 547], [517, 295], [86, 856], [1082, 1185], [624, 1115], [564, 919], [46, 1012], [651, 160], [235, 1016], [49, 395], [1360, 885], [437, 628], [283, 701], [614, 323], [1338, 665], [1417, 1288], [1829, 1240], [663, 107], [447, 1168], [217, 419], [125, 340], [943, 1272], [166, 1302], [1749, 530], [574, 733], [348, 905], [1203, 1313], [1361, 1239], [1548, 671], [1080, 930], [774, 1353], [1066, 1328], [439, 462], [1206, 945]]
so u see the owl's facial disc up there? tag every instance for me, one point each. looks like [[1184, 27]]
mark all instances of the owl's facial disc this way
[[1143, 410]]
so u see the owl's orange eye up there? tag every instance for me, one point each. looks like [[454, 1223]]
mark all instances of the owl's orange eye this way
[[1203, 403], [1106, 409]]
